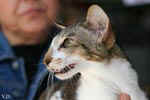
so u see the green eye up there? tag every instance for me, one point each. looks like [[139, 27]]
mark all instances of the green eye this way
[[68, 42]]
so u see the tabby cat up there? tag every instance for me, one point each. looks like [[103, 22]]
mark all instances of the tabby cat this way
[[89, 64]]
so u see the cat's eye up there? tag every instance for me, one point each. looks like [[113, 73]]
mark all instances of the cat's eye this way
[[68, 42]]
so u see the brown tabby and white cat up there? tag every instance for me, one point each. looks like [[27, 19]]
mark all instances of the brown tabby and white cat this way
[[89, 62]]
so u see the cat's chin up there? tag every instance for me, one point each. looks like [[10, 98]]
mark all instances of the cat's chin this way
[[67, 75]]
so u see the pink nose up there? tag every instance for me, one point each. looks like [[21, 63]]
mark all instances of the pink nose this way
[[47, 60]]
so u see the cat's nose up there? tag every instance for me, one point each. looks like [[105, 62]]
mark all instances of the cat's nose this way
[[47, 59]]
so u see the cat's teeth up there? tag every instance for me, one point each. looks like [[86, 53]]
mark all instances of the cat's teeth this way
[[71, 65], [64, 70]]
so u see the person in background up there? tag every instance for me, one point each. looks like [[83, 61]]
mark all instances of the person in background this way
[[27, 28]]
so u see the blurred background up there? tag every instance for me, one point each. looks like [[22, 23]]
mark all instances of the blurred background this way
[[130, 20]]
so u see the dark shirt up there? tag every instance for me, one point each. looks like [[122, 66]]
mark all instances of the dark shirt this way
[[31, 55]]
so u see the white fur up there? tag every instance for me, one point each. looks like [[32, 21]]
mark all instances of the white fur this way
[[100, 80], [55, 52], [56, 96], [105, 81]]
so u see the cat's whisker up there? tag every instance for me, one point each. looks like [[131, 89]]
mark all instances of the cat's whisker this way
[[71, 80], [47, 88], [72, 85], [50, 81]]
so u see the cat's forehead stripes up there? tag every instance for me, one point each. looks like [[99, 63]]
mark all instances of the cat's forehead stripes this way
[[68, 32], [77, 30], [81, 34]]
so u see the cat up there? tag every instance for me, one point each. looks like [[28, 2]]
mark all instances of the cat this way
[[89, 63]]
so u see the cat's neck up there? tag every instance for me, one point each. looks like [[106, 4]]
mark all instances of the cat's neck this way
[[96, 81], [94, 69]]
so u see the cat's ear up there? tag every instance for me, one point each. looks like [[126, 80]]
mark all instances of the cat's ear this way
[[98, 20], [60, 26]]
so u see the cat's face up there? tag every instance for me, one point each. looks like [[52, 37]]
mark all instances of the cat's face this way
[[78, 44]]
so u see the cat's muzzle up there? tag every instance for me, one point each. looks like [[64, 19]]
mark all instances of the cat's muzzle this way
[[65, 69]]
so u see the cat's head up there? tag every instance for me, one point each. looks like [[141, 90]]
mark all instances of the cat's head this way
[[91, 40]]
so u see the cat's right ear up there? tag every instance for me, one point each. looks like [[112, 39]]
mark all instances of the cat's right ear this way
[[98, 20]]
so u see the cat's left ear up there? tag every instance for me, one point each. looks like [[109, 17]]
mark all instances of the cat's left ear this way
[[59, 26], [98, 20]]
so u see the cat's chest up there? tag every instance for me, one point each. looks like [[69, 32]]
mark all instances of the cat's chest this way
[[86, 89], [95, 89], [98, 83]]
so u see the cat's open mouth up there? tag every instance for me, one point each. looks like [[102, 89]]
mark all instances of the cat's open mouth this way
[[65, 69]]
